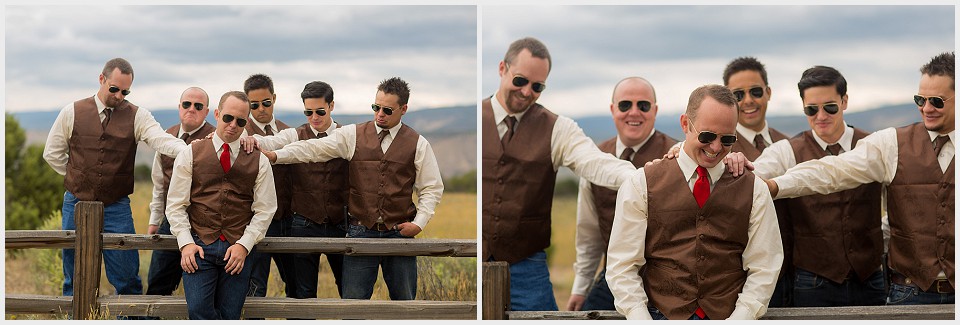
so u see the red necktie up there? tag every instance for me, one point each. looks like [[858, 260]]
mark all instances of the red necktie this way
[[225, 158], [701, 188]]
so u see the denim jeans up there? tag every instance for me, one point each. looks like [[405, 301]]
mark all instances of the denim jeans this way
[[657, 315], [260, 272], [812, 290], [599, 297], [783, 292], [360, 272], [210, 292], [910, 295], [122, 266], [165, 272], [307, 266], [530, 287]]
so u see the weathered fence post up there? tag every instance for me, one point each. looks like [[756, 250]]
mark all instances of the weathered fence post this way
[[496, 290], [88, 216]]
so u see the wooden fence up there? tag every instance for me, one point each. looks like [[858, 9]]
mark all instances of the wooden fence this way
[[89, 241], [496, 305]]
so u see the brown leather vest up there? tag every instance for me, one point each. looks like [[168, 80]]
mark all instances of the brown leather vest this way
[[518, 183], [280, 172], [166, 163], [695, 256], [839, 232], [100, 166], [920, 204], [221, 203], [319, 190], [381, 184], [604, 199]]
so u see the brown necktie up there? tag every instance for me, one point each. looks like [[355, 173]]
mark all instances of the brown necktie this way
[[383, 134], [324, 134], [184, 137], [625, 155], [106, 111], [758, 141], [267, 130], [834, 149], [939, 142], [511, 123]]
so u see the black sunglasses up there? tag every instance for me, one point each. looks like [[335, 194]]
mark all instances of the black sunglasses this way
[[319, 111], [227, 118], [756, 92], [386, 110], [831, 108], [114, 89], [265, 103], [186, 105], [537, 87], [706, 137], [936, 101], [625, 105]]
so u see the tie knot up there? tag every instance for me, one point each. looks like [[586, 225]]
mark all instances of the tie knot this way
[[939, 142], [321, 135], [267, 130], [834, 149], [625, 155], [511, 121], [225, 147], [184, 137], [701, 172], [759, 142], [383, 134]]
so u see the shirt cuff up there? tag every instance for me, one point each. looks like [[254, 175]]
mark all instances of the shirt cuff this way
[[421, 220], [156, 219], [581, 285], [246, 242], [639, 313], [184, 238]]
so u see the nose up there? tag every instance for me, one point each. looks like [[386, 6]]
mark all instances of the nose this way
[[715, 145]]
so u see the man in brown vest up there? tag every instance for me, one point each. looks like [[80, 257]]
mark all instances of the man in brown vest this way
[[319, 190], [259, 89], [388, 163], [634, 109], [219, 205], [692, 241], [915, 163], [838, 241], [164, 274], [93, 143]]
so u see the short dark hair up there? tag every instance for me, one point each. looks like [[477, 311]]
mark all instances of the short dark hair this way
[[233, 93], [117, 63], [819, 76], [941, 65], [536, 48], [719, 93], [396, 86], [317, 89], [744, 63], [257, 81]]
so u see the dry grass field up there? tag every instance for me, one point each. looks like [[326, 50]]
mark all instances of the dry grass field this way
[[563, 251]]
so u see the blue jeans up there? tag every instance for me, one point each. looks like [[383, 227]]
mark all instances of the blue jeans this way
[[360, 272], [307, 266], [530, 287], [260, 273], [910, 295], [211, 293], [165, 272], [812, 290], [122, 266], [599, 297], [783, 292], [657, 315]]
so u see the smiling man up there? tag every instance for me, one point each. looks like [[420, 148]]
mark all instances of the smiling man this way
[[692, 241], [634, 110]]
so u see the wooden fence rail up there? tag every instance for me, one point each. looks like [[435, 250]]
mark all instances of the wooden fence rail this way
[[89, 241]]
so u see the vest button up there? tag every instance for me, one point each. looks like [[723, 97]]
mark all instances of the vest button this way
[[499, 200], [502, 163], [496, 218], [500, 181], [701, 236]]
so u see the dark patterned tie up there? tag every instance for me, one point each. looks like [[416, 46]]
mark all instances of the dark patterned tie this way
[[939, 142], [383, 134], [108, 111], [324, 134], [759, 143], [267, 130], [184, 137], [625, 155], [834, 149], [511, 123]]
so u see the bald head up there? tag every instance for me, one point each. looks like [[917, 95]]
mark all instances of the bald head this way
[[634, 110]]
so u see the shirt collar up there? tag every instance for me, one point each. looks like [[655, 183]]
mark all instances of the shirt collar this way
[[846, 139], [330, 128], [393, 131], [191, 131], [935, 134], [100, 105], [272, 123], [500, 113], [749, 134], [689, 167], [218, 142], [621, 147]]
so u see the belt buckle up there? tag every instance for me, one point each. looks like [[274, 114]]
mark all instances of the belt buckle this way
[[943, 288], [380, 224]]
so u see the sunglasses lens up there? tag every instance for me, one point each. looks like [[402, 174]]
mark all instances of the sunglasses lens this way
[[706, 137], [388, 111], [321, 112], [186, 105], [241, 122], [810, 110], [113, 89], [307, 113], [227, 118], [624, 105], [519, 81], [198, 106], [644, 106], [739, 94], [267, 103], [936, 102], [728, 140], [538, 87], [375, 107], [756, 92], [831, 108], [254, 105], [919, 100]]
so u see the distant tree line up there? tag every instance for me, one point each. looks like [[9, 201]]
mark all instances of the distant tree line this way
[[33, 189]]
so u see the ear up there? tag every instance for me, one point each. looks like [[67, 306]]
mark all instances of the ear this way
[[684, 123], [843, 102], [403, 109], [330, 109], [102, 78], [769, 92], [216, 114], [611, 109], [503, 68]]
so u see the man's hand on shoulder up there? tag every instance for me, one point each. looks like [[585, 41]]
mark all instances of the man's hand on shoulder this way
[[249, 144], [736, 162]]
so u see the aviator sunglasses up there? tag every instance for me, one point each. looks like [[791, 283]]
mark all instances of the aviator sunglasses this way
[[625, 105], [830, 108], [265, 103], [187, 104], [740, 94], [386, 110], [706, 137], [227, 118], [114, 89], [537, 87], [320, 112], [936, 101]]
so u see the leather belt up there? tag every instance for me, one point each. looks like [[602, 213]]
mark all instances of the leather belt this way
[[939, 285], [379, 226]]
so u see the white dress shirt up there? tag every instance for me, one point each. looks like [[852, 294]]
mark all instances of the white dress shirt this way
[[590, 244], [178, 197], [159, 203], [762, 256], [777, 158], [145, 128], [288, 136], [571, 148], [272, 124], [749, 134], [342, 143]]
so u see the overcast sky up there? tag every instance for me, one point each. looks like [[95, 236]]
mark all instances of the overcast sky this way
[[54, 54], [878, 49]]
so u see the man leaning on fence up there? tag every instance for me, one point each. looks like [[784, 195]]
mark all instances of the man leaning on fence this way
[[219, 205], [93, 142]]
